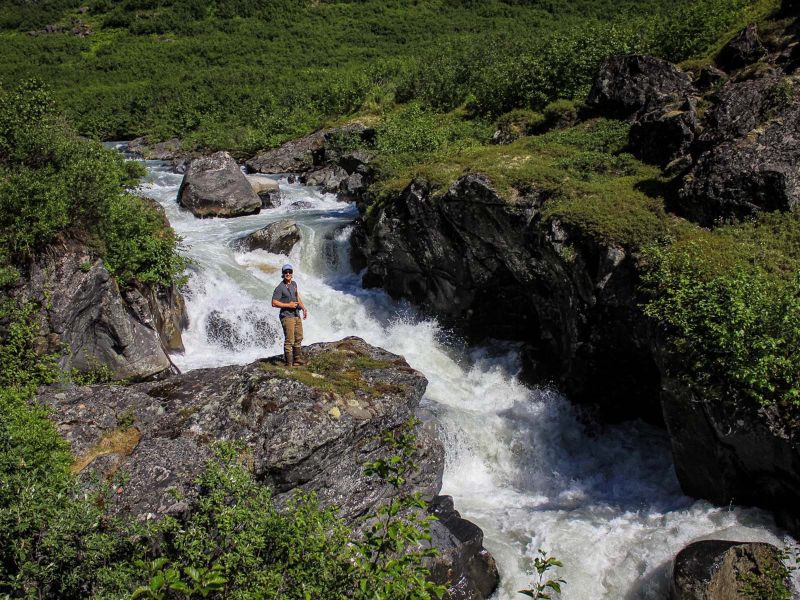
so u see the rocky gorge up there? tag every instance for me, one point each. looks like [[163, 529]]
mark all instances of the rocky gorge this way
[[495, 267]]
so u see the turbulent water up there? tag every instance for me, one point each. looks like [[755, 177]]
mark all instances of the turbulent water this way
[[520, 463]]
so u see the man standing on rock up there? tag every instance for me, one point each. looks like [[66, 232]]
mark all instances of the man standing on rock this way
[[287, 298]]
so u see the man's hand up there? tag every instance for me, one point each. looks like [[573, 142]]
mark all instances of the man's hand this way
[[292, 305], [305, 312]]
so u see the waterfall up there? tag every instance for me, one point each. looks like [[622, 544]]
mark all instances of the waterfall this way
[[520, 462]]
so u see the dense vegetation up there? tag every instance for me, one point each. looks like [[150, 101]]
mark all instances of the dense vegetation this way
[[247, 75], [53, 183], [730, 302]]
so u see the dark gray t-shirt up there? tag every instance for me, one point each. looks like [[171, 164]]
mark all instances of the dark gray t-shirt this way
[[286, 293]]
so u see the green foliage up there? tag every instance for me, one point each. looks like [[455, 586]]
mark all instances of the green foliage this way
[[730, 304], [541, 588], [243, 76], [53, 183], [22, 364], [56, 539], [773, 583]]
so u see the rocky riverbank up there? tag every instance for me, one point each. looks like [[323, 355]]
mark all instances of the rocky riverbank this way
[[311, 428]]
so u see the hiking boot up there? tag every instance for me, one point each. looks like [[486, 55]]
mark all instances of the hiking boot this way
[[287, 356], [298, 358]]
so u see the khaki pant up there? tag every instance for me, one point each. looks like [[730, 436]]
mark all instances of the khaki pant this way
[[293, 333]]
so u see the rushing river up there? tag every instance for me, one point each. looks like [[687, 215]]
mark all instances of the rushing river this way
[[520, 463]]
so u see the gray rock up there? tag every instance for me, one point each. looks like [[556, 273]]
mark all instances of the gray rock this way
[[328, 178], [295, 156], [744, 49], [752, 141], [717, 570], [299, 436], [267, 189], [462, 558], [84, 311], [664, 134], [734, 451], [278, 237], [709, 77], [632, 85], [214, 186]]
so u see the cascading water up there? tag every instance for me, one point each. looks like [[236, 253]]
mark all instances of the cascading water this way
[[520, 464]]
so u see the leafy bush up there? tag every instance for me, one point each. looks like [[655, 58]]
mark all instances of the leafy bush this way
[[730, 304], [54, 183]]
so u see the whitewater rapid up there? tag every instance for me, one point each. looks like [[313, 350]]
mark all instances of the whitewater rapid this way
[[519, 462]]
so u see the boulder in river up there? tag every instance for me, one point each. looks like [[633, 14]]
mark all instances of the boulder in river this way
[[214, 186], [721, 570], [462, 558], [278, 237]]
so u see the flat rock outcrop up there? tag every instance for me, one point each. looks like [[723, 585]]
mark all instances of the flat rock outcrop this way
[[84, 311], [479, 262], [214, 186], [718, 570], [278, 237], [303, 428]]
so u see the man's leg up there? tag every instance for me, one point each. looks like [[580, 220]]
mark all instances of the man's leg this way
[[288, 339], [298, 338]]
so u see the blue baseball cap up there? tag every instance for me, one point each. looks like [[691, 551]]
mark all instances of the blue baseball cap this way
[[287, 267]]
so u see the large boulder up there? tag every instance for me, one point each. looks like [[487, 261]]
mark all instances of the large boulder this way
[[720, 570], [744, 49], [300, 436], [632, 85], [303, 429], [479, 263], [84, 311], [214, 186], [278, 237], [665, 135], [751, 152]]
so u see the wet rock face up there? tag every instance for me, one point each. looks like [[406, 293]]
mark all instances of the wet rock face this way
[[716, 569], [744, 49], [214, 186], [278, 237], [300, 436], [84, 310], [462, 558], [733, 451], [479, 263], [631, 85]]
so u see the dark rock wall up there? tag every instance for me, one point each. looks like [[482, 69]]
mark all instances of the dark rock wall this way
[[483, 265]]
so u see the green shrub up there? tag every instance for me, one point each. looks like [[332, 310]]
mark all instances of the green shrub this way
[[730, 304], [53, 183]]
